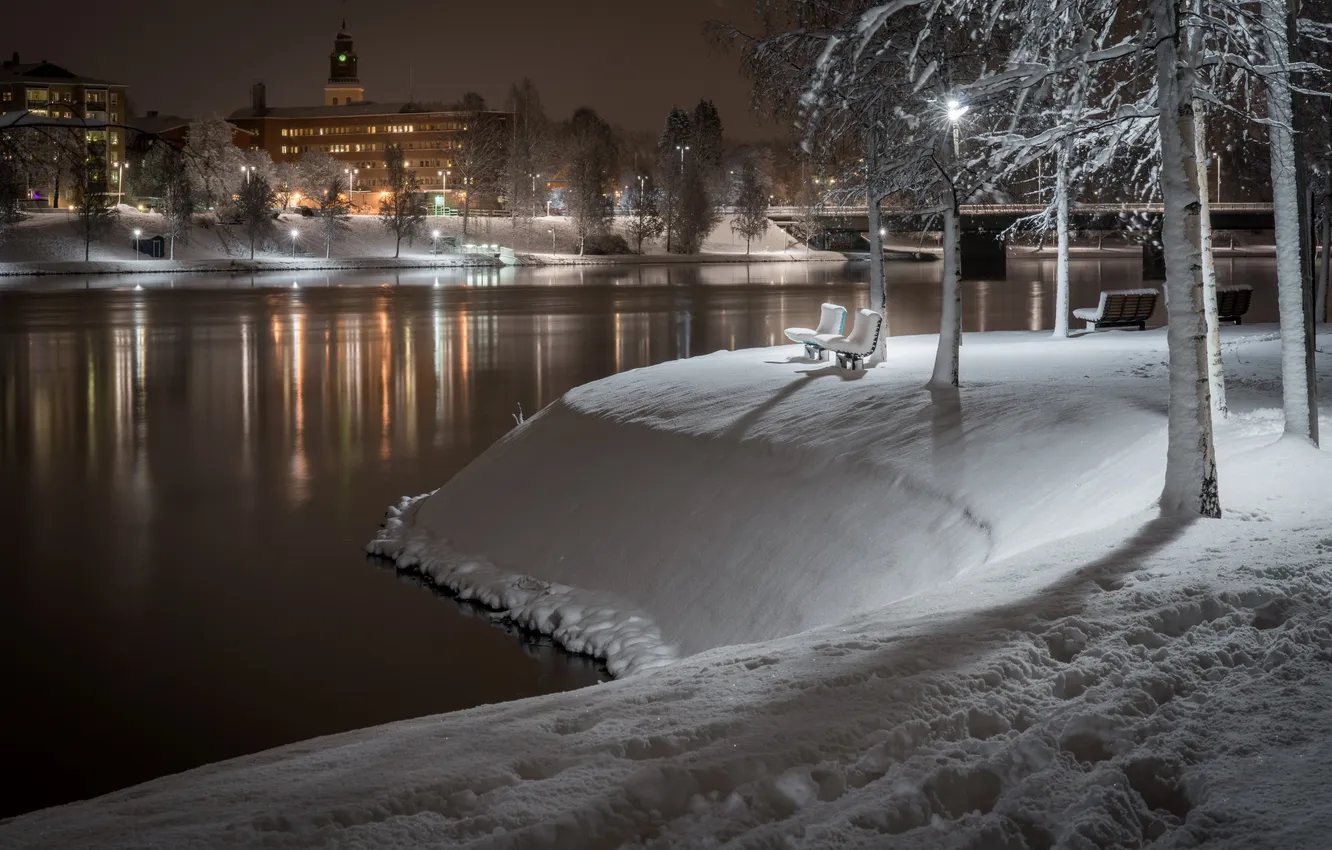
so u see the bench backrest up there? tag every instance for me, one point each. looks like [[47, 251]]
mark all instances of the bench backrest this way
[[1127, 305], [832, 318], [864, 337], [1233, 300]]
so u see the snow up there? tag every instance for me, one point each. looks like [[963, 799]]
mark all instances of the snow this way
[[47, 242], [902, 618]]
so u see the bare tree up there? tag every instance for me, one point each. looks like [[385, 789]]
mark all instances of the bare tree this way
[[254, 207], [95, 213], [751, 200], [402, 212], [166, 174], [480, 156], [591, 156], [334, 203], [645, 219]]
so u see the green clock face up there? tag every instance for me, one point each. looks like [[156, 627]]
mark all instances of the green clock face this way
[[342, 57]]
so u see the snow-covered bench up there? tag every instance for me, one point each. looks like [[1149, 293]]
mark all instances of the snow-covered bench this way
[[832, 319], [1120, 308], [852, 349], [1232, 302]]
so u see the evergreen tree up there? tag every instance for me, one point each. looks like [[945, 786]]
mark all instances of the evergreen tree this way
[[672, 149], [591, 154]]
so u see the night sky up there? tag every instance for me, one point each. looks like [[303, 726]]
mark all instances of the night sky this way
[[628, 59]]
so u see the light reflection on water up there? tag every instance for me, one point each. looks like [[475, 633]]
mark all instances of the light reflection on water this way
[[188, 476]]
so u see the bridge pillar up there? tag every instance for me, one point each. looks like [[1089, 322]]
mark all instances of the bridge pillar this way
[[1153, 259], [984, 256]]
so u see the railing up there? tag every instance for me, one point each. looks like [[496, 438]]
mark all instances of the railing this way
[[1014, 209]]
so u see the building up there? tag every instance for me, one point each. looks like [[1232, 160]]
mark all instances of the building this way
[[356, 131], [47, 90]]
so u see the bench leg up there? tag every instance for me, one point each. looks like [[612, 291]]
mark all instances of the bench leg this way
[[1091, 326], [813, 352], [1142, 326]]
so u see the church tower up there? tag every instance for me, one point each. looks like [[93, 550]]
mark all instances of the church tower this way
[[344, 86]]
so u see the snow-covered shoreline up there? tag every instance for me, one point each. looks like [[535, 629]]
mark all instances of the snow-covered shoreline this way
[[131, 267], [1094, 677]]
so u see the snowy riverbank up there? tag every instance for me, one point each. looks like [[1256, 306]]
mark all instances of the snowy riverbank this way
[[974, 632]]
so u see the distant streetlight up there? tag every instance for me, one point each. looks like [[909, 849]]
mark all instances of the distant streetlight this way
[[120, 182], [434, 235], [294, 234], [534, 180], [552, 240], [682, 149], [137, 234]]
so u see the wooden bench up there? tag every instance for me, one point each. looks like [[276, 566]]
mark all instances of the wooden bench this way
[[1232, 302], [1120, 308]]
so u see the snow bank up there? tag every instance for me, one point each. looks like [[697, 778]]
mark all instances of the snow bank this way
[[1145, 683], [745, 496], [1092, 684]]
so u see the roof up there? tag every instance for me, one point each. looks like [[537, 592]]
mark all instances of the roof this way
[[364, 108], [45, 72], [154, 124]]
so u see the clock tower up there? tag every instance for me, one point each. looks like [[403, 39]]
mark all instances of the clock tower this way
[[344, 86]]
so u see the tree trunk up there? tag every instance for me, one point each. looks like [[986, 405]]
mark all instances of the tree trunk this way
[[397, 246], [1216, 376], [1297, 388], [467, 211], [1061, 227], [1190, 478], [251, 244], [950, 321], [1325, 271]]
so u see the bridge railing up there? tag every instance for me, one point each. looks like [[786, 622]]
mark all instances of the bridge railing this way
[[830, 211]]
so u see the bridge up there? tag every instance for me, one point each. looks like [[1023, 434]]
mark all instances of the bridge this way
[[983, 248]]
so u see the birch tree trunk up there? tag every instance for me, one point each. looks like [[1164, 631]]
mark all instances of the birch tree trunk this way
[[1061, 263], [1297, 390], [1325, 237], [1216, 376], [950, 321], [1191, 477]]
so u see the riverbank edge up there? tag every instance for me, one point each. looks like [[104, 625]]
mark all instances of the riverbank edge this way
[[537, 259], [105, 267]]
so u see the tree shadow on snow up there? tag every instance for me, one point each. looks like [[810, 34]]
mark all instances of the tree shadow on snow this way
[[936, 644]]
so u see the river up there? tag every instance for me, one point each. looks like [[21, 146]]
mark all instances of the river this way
[[189, 472]]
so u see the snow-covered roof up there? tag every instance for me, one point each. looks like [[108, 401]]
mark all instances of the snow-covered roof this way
[[45, 72]]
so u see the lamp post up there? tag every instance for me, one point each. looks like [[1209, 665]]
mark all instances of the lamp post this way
[[534, 179], [552, 240], [682, 149], [294, 234], [137, 234], [434, 236], [120, 182]]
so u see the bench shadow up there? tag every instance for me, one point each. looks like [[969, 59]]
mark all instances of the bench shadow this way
[[747, 420]]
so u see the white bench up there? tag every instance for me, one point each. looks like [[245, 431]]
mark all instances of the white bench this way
[[1120, 308], [852, 349], [832, 319]]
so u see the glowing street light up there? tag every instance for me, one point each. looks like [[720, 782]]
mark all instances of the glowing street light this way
[[137, 234], [434, 235], [552, 240], [955, 112], [294, 234], [682, 149]]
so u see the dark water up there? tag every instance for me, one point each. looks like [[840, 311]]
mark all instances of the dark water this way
[[188, 474]]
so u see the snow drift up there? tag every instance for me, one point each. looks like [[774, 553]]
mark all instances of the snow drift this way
[[748, 495]]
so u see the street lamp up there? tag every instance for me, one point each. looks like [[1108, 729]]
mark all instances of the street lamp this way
[[534, 179], [137, 234], [434, 235], [552, 240], [955, 112], [682, 149], [294, 234], [120, 181]]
